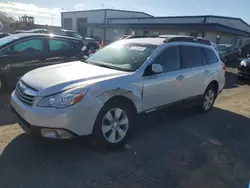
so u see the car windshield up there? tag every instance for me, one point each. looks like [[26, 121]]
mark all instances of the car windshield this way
[[223, 48], [125, 56], [7, 39]]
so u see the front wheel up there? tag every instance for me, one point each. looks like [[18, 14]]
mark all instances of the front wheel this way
[[208, 99], [113, 126]]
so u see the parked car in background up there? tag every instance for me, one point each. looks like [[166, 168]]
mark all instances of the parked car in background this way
[[215, 47], [24, 52], [4, 35], [228, 52], [103, 95], [244, 68], [91, 43]]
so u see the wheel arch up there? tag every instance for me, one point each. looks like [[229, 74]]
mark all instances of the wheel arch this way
[[215, 84], [124, 100]]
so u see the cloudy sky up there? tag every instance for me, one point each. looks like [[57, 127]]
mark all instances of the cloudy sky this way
[[45, 10]]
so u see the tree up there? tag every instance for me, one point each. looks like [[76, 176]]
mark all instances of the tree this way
[[6, 18]]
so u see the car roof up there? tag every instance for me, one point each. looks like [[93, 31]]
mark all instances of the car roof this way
[[27, 35], [153, 41]]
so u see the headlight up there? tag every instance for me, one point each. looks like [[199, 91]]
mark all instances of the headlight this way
[[64, 99], [243, 63]]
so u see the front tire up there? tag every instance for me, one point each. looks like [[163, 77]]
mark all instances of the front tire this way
[[208, 99], [113, 126]]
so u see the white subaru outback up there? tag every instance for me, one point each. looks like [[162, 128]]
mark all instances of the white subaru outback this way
[[102, 95]]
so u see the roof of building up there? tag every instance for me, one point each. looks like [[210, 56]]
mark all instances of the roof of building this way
[[108, 10]]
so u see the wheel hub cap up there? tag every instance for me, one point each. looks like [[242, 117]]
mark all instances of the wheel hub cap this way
[[115, 125]]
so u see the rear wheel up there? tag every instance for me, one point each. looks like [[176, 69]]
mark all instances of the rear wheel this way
[[113, 126], [208, 98]]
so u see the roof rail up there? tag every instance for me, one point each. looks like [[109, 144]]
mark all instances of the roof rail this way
[[176, 38]]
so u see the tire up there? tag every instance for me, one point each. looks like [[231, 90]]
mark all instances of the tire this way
[[2, 84], [209, 98], [116, 135]]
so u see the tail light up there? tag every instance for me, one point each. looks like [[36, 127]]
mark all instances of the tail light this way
[[223, 67]]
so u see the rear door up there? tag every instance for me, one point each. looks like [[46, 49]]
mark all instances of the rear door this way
[[63, 50], [194, 72], [23, 57]]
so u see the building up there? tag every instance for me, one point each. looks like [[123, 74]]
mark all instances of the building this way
[[111, 24]]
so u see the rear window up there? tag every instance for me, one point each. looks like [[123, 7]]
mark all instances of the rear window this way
[[210, 56]]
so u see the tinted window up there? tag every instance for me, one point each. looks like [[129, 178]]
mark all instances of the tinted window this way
[[29, 46], [192, 56], [60, 45], [169, 59], [210, 56]]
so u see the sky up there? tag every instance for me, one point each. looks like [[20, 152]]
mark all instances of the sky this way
[[48, 11]]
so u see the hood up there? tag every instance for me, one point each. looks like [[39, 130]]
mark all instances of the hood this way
[[56, 78]]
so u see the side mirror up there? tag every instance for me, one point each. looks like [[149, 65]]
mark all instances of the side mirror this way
[[248, 55], [156, 68]]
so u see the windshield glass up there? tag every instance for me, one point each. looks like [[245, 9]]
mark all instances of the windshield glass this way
[[126, 56], [7, 39]]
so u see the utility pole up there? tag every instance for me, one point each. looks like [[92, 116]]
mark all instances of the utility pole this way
[[52, 19]]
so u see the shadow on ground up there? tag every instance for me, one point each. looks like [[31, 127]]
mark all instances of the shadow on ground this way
[[6, 116], [173, 149]]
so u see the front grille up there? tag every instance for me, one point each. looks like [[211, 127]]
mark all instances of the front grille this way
[[22, 91]]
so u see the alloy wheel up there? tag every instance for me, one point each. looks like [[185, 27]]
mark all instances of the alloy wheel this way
[[115, 125], [209, 99]]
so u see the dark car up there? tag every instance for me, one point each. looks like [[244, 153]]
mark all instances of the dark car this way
[[4, 35], [23, 52], [228, 52], [91, 43], [244, 69]]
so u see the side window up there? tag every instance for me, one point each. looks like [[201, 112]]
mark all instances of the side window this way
[[169, 59], [29, 46], [210, 56], [59, 45], [192, 56]]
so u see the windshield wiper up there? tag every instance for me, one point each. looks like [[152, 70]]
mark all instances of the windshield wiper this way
[[107, 66]]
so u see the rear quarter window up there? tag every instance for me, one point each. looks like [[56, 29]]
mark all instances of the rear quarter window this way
[[210, 56]]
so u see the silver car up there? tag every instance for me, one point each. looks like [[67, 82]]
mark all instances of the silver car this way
[[102, 96]]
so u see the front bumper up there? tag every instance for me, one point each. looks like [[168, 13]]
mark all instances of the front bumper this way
[[244, 71], [77, 120]]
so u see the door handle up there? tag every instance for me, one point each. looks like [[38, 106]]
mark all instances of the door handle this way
[[180, 78], [206, 71]]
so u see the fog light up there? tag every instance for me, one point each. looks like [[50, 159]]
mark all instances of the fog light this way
[[56, 133]]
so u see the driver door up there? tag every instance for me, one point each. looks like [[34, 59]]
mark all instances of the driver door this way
[[164, 88]]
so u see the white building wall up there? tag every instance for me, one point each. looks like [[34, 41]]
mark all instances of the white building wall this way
[[92, 16], [225, 38]]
